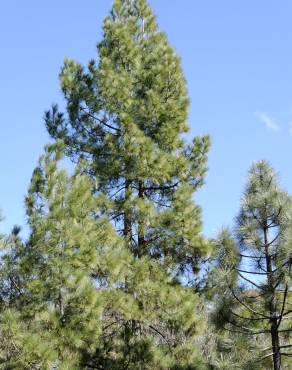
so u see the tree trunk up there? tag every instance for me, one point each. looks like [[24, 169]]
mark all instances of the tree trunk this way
[[141, 226], [272, 304], [127, 213], [276, 345]]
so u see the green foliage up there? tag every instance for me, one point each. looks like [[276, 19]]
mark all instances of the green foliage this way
[[126, 115], [101, 281], [251, 279], [59, 296]]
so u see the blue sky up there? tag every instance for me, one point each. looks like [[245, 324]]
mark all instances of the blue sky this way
[[237, 59]]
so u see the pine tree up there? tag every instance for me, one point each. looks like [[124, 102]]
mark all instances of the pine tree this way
[[62, 271], [255, 268], [74, 259], [74, 297], [21, 347], [126, 115]]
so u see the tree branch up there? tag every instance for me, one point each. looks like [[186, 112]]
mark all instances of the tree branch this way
[[283, 306], [101, 121], [249, 318], [250, 281], [252, 272], [249, 308]]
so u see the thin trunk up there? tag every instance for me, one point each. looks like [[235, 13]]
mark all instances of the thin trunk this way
[[141, 225], [272, 305], [127, 213], [276, 345]]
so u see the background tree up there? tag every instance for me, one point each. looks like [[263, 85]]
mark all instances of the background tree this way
[[55, 316], [255, 269], [226, 346], [20, 345]]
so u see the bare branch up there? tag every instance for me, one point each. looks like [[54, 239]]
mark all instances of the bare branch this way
[[267, 356], [273, 241], [250, 281], [101, 121], [255, 257], [283, 306], [287, 313], [252, 272]]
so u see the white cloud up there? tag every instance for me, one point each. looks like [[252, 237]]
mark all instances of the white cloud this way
[[268, 121]]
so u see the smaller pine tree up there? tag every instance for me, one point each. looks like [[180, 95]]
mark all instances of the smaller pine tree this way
[[71, 254], [254, 268]]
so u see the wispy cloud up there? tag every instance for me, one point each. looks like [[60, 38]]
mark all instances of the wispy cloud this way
[[269, 122]]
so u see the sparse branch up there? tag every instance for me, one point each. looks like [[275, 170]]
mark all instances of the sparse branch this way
[[157, 331], [249, 308], [275, 238], [267, 356], [101, 121], [249, 318], [287, 313], [162, 187], [283, 305], [250, 281], [247, 332], [273, 217], [252, 272], [117, 192], [255, 257]]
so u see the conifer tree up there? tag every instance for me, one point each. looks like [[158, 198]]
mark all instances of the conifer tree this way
[[65, 248], [82, 300], [71, 255], [126, 115], [21, 347], [255, 268]]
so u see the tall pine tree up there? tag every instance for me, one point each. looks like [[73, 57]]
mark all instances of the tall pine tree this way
[[126, 116]]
